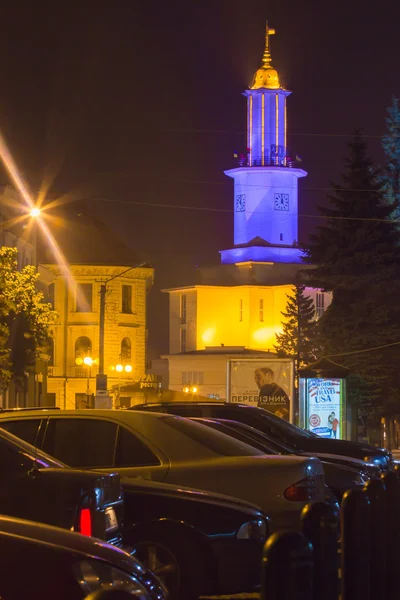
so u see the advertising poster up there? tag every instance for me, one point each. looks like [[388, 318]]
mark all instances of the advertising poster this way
[[324, 407], [266, 383]]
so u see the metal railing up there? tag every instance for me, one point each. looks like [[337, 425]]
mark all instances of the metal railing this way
[[354, 555], [258, 161]]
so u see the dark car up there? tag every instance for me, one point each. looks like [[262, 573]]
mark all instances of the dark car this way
[[339, 478], [43, 562], [36, 487], [277, 428], [167, 524]]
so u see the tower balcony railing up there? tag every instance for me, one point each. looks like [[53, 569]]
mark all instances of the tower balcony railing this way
[[258, 161]]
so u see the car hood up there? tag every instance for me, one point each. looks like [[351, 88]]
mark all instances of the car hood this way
[[354, 463], [71, 542], [132, 485], [342, 447]]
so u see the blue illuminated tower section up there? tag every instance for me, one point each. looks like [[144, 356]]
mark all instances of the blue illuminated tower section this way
[[266, 181]]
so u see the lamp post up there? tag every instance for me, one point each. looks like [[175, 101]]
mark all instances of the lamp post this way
[[88, 362], [120, 368], [103, 291]]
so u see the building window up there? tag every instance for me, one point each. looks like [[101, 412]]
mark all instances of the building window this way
[[84, 297], [261, 310], [83, 347], [126, 349], [195, 377], [51, 294], [240, 310], [126, 299], [183, 340], [183, 309], [319, 304]]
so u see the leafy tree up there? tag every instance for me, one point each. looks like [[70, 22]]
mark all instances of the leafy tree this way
[[25, 320], [299, 336], [390, 178], [356, 253]]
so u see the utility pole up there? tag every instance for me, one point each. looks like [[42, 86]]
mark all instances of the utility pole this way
[[103, 292]]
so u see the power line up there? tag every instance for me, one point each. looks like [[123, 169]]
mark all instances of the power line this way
[[310, 134], [230, 211], [365, 350]]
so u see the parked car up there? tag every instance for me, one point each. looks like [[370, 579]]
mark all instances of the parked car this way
[[164, 522], [338, 477], [275, 427], [175, 450], [39, 488], [45, 562]]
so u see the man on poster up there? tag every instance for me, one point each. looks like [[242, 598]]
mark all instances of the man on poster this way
[[271, 397]]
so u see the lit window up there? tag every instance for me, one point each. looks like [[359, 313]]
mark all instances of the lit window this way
[[183, 340], [83, 347], [261, 310], [183, 309], [84, 293], [126, 299]]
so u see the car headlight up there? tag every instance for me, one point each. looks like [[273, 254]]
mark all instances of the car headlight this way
[[93, 575], [252, 530]]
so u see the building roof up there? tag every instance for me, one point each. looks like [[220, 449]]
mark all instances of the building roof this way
[[83, 238], [224, 351]]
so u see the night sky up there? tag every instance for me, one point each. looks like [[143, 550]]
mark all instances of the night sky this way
[[133, 104]]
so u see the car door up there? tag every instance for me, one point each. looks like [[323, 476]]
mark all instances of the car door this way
[[95, 443]]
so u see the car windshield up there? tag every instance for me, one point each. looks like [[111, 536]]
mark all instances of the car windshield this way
[[41, 458], [217, 442], [257, 437]]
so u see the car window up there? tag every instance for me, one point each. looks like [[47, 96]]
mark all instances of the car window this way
[[217, 442], [26, 430], [241, 435], [132, 452], [81, 442], [13, 461]]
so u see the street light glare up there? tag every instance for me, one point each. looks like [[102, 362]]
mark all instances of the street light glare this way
[[128, 368], [88, 360], [119, 368], [35, 212]]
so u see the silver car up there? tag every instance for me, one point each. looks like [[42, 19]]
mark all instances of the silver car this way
[[174, 450]]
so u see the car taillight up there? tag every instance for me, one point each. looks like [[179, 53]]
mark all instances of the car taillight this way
[[302, 491], [85, 522]]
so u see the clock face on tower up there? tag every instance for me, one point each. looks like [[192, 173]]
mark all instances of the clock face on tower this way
[[241, 203], [281, 201]]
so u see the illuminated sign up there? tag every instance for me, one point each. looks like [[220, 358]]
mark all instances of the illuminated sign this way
[[324, 407], [262, 382]]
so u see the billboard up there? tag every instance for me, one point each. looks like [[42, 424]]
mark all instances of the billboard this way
[[263, 382], [324, 407]]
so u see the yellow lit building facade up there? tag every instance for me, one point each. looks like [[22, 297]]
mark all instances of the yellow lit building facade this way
[[72, 382], [235, 308]]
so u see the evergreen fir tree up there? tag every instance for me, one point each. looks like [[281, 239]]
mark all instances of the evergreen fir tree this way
[[356, 254], [299, 336], [390, 178]]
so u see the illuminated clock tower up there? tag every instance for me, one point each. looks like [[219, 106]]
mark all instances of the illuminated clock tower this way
[[265, 181]]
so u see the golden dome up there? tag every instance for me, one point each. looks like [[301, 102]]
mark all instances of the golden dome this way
[[266, 76]]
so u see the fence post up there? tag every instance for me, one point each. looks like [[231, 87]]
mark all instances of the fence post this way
[[355, 538], [376, 491], [287, 567], [320, 524], [392, 484]]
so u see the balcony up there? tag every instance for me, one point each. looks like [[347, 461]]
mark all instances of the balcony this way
[[258, 161]]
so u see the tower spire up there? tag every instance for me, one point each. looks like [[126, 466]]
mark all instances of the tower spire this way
[[266, 76], [267, 59]]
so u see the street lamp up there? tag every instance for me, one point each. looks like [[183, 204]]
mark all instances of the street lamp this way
[[120, 368], [35, 213], [190, 389], [88, 362]]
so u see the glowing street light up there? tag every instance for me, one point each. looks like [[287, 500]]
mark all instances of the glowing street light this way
[[35, 212], [190, 389], [88, 361], [120, 368]]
